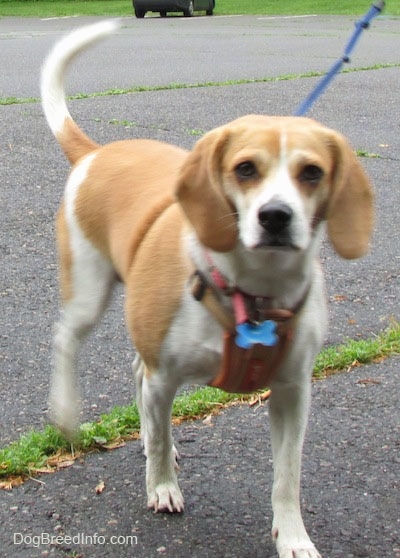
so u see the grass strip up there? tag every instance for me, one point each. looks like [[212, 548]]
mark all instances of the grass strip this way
[[40, 452], [358, 352], [62, 8], [175, 86]]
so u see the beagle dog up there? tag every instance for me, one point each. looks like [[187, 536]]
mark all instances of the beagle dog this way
[[245, 209]]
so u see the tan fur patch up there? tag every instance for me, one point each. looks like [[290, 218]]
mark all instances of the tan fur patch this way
[[124, 193], [74, 142], [155, 284], [65, 256]]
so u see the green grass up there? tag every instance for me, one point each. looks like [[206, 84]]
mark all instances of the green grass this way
[[358, 352], [40, 451], [367, 154], [174, 86], [58, 8], [300, 7]]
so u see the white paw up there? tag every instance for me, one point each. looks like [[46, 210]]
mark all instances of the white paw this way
[[294, 547], [166, 497], [311, 552], [64, 403], [64, 417]]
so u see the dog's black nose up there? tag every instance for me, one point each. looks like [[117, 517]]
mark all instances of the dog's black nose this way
[[275, 217]]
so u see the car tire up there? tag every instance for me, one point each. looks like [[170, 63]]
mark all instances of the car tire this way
[[140, 13], [210, 11], [163, 14], [190, 10]]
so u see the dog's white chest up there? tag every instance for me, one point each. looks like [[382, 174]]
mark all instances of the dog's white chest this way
[[193, 344]]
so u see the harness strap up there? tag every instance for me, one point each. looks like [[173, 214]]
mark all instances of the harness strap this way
[[245, 370], [204, 293], [238, 297]]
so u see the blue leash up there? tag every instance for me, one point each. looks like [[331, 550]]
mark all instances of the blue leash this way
[[362, 24]]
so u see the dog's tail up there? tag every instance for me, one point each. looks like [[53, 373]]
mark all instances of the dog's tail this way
[[74, 142]]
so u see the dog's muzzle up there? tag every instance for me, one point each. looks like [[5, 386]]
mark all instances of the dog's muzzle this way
[[276, 219]]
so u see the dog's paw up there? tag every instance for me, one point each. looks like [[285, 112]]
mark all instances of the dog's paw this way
[[64, 406], [298, 547], [65, 419], [166, 497], [69, 430], [299, 553]]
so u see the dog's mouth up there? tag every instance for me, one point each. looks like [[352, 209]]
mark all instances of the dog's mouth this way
[[276, 246], [281, 241]]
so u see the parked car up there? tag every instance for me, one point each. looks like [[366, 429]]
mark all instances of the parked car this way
[[188, 7]]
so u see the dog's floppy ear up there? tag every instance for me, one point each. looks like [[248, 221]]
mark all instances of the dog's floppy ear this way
[[201, 195], [350, 210]]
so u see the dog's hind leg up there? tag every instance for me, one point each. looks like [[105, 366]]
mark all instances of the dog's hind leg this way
[[79, 315], [87, 278], [155, 397]]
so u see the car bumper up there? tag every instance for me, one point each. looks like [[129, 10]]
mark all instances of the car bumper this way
[[163, 6]]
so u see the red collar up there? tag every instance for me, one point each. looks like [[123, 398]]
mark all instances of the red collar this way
[[247, 307], [239, 298]]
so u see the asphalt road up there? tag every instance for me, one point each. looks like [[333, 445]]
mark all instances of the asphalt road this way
[[351, 464]]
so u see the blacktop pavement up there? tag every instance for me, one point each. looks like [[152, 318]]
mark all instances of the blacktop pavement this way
[[350, 486]]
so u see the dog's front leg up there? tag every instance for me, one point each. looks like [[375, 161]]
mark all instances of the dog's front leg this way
[[155, 398], [289, 407]]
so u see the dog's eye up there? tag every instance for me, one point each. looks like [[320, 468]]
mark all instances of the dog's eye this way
[[311, 174], [246, 171]]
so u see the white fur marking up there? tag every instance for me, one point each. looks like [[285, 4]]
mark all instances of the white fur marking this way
[[276, 187]]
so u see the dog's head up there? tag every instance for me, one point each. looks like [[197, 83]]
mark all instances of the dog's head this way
[[270, 181]]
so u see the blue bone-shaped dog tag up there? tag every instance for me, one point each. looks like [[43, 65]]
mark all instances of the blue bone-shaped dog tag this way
[[248, 334]]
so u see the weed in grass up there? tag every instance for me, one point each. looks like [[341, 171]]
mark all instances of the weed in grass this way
[[367, 154], [124, 123], [18, 100], [195, 132]]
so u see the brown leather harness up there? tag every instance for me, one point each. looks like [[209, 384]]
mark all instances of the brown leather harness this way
[[244, 370]]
